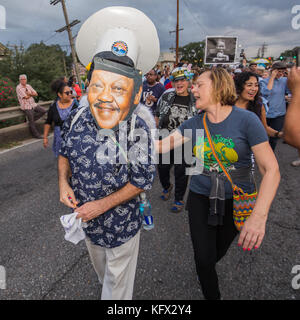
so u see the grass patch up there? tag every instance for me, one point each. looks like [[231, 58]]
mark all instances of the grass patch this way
[[10, 145]]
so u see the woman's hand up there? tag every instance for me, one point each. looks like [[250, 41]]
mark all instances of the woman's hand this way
[[288, 98], [253, 232], [280, 134], [45, 142]]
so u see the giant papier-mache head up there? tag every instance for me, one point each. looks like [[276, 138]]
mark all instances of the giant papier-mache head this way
[[119, 44]]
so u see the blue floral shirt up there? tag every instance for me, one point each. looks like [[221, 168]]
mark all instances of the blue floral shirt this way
[[95, 175]]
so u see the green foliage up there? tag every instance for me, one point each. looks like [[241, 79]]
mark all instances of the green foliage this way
[[41, 63], [11, 122], [8, 96], [289, 53], [193, 52]]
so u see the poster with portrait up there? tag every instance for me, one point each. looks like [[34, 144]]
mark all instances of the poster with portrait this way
[[220, 50]]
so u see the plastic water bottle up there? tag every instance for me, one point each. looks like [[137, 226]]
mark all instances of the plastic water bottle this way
[[145, 210]]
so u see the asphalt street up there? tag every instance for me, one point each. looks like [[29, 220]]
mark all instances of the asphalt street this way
[[41, 265]]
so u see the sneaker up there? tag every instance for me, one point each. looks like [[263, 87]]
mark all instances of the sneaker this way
[[177, 206], [296, 163], [165, 195]]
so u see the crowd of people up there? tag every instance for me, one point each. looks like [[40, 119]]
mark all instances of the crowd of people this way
[[243, 139], [272, 92], [241, 110]]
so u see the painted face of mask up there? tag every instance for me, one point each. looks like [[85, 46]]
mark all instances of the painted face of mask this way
[[109, 97]]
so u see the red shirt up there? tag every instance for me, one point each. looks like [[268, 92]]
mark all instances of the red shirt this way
[[78, 90]]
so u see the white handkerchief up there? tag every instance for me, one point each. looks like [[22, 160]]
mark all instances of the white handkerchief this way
[[73, 228]]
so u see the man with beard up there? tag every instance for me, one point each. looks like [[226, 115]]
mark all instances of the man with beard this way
[[109, 164], [152, 90]]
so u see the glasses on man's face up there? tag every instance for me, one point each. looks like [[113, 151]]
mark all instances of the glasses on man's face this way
[[68, 93], [150, 74]]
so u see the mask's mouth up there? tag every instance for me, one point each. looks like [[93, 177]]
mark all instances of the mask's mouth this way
[[106, 106]]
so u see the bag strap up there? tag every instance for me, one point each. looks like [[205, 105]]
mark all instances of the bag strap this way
[[214, 152], [124, 153], [120, 147], [77, 115]]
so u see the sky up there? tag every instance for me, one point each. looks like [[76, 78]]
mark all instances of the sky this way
[[252, 21]]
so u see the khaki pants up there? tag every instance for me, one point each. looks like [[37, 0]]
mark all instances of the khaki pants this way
[[115, 268]]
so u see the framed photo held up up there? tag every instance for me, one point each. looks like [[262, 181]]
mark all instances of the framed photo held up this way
[[220, 50]]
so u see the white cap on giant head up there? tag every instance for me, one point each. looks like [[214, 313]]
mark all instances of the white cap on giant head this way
[[124, 31]]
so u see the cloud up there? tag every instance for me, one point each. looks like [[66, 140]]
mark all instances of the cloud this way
[[254, 22]]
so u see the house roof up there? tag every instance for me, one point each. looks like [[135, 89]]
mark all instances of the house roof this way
[[3, 49]]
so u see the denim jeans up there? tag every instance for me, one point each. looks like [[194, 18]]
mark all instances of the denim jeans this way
[[276, 124]]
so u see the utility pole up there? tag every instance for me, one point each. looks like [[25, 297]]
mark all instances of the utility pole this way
[[71, 39], [177, 33], [263, 49], [20, 47], [64, 62], [258, 53]]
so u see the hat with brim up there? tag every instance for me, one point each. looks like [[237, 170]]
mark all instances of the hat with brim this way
[[179, 78], [279, 65], [123, 33], [181, 73]]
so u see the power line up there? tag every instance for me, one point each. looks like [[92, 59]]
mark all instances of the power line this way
[[67, 28], [51, 37], [195, 18]]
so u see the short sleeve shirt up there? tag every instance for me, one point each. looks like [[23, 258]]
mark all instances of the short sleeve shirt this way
[[178, 113], [232, 138], [25, 104], [98, 170], [157, 90]]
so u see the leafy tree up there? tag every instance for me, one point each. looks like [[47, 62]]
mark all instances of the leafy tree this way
[[41, 63], [289, 53], [193, 52]]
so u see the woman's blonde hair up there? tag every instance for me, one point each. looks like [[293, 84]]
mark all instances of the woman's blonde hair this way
[[223, 88]]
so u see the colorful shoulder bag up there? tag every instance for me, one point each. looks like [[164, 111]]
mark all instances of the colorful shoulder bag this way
[[243, 203]]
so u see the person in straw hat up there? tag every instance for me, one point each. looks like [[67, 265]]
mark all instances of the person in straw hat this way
[[100, 149]]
